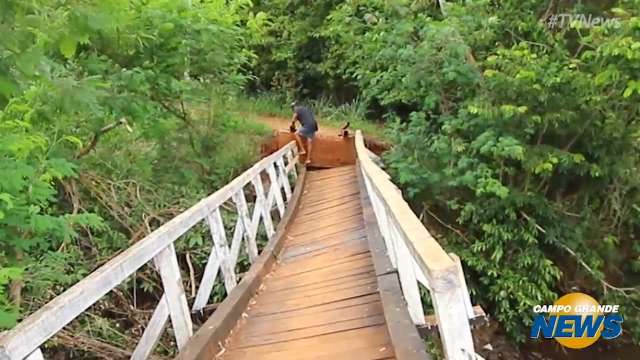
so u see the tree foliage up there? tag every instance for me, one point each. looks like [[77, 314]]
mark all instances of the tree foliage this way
[[523, 138], [112, 120]]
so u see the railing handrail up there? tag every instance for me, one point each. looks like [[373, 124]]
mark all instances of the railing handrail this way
[[419, 258], [24, 340], [427, 251]]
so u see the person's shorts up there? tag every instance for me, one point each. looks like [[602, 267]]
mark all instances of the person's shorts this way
[[307, 132]]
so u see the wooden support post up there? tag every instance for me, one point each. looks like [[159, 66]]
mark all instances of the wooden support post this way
[[383, 223], [208, 280], [167, 264], [407, 277], [249, 232], [431, 321], [453, 322], [463, 283], [153, 332], [284, 177], [236, 244], [292, 159], [262, 208], [216, 226], [420, 275], [274, 191]]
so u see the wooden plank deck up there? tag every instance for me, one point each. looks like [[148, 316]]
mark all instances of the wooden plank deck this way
[[321, 301]]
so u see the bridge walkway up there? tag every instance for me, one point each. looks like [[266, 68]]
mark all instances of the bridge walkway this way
[[321, 300]]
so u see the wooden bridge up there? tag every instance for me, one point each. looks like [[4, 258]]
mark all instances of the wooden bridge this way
[[338, 279]]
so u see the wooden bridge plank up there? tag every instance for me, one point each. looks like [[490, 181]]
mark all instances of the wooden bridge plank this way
[[311, 266], [339, 342], [310, 279], [328, 188], [315, 310], [337, 229], [310, 208], [323, 283], [340, 229], [317, 196], [378, 352], [300, 252], [324, 205], [327, 253], [343, 209], [330, 173], [381, 352], [294, 304], [268, 326], [309, 332], [322, 211], [344, 230], [334, 183], [310, 276], [301, 293], [320, 224]]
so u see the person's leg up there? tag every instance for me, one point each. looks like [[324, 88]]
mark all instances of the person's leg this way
[[300, 143], [310, 146]]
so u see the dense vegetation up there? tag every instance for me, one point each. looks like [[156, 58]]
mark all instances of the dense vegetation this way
[[517, 142], [521, 141], [113, 119]]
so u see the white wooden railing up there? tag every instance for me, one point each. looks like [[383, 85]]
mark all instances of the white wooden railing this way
[[25, 339], [418, 258]]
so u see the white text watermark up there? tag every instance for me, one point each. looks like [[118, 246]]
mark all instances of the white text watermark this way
[[559, 21]]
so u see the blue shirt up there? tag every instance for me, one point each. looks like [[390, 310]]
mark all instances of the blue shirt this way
[[306, 118]]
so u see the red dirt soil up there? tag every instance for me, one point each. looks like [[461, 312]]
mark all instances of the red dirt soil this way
[[329, 148]]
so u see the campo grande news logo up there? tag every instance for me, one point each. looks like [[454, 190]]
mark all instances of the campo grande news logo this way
[[576, 321]]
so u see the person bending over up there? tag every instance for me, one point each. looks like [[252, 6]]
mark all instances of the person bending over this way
[[308, 128]]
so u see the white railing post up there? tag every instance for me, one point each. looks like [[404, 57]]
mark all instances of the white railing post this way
[[153, 331], [453, 322], [167, 264], [284, 177], [292, 159], [208, 280], [262, 208], [407, 276], [463, 285], [216, 226], [275, 190], [383, 223], [249, 232]]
